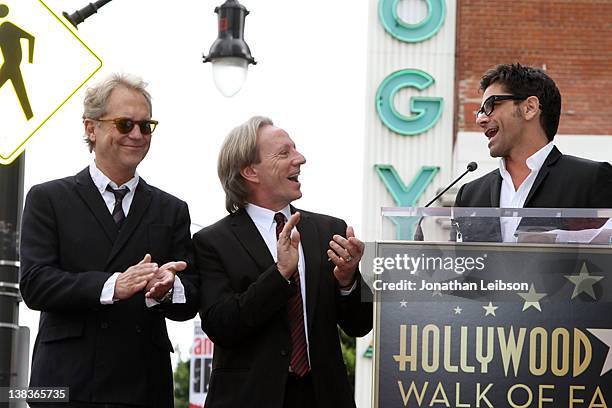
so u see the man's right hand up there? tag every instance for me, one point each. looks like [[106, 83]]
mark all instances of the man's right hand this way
[[287, 248], [135, 278]]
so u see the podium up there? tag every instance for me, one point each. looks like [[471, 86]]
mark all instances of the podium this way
[[464, 319]]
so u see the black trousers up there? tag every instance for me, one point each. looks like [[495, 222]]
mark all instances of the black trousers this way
[[299, 392]]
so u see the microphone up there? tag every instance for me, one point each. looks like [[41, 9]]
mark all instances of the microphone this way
[[470, 167]]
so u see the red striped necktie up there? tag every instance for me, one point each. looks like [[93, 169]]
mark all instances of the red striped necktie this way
[[295, 313]]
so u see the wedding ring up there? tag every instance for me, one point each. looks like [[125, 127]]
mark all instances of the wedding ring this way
[[349, 258]]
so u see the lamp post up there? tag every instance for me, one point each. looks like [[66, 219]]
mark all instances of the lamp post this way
[[230, 55], [11, 201], [81, 15]]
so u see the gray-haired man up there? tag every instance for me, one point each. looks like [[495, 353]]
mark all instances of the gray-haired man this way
[[99, 255], [276, 282]]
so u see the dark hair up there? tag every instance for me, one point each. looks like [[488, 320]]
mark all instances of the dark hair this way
[[527, 81]]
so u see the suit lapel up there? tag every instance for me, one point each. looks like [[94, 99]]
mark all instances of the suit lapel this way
[[139, 206], [312, 254], [93, 199], [496, 189], [552, 158], [246, 232]]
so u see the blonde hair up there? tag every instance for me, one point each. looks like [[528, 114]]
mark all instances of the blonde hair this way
[[96, 97], [239, 149]]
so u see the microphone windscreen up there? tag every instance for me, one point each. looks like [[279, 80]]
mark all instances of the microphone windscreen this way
[[472, 166]]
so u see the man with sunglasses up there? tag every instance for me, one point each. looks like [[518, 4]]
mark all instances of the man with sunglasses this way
[[519, 117], [99, 256]]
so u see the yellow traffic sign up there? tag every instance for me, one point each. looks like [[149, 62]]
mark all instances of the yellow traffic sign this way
[[42, 64]]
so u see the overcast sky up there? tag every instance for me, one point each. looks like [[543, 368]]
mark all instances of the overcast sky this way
[[310, 79]]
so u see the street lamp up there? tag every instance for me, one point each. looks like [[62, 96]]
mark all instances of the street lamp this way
[[81, 15], [230, 55]]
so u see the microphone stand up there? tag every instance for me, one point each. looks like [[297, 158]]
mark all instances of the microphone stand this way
[[418, 236], [470, 167]]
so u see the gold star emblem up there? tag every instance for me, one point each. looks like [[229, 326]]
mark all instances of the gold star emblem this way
[[490, 309], [532, 298], [584, 282]]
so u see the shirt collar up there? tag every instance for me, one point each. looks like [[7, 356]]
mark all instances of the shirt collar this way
[[534, 162], [263, 217], [101, 180]]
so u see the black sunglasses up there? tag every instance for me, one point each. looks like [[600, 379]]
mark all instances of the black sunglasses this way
[[125, 125], [489, 104]]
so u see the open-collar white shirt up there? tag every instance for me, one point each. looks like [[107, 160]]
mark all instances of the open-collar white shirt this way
[[511, 198]]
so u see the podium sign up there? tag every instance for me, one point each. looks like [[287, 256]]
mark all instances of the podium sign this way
[[492, 325]]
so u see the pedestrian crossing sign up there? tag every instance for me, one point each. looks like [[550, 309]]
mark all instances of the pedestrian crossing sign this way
[[42, 64]]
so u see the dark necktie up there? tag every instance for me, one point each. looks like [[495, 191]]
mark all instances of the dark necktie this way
[[295, 313], [118, 214]]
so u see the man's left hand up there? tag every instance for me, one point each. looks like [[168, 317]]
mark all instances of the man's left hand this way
[[163, 280], [345, 253]]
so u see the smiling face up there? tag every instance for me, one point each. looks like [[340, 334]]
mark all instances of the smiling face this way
[[117, 154], [504, 127], [274, 180]]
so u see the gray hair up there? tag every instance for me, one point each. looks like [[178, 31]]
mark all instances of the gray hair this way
[[96, 97], [239, 149]]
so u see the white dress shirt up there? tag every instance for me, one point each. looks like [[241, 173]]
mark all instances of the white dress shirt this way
[[264, 221], [101, 181], [511, 198]]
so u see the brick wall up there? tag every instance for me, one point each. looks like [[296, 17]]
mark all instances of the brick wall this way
[[572, 39]]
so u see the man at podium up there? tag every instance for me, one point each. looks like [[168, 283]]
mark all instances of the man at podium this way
[[520, 116]]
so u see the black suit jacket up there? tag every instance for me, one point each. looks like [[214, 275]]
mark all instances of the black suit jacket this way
[[70, 246], [244, 300], [562, 182]]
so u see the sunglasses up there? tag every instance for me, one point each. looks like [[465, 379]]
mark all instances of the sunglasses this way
[[489, 104], [125, 125]]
